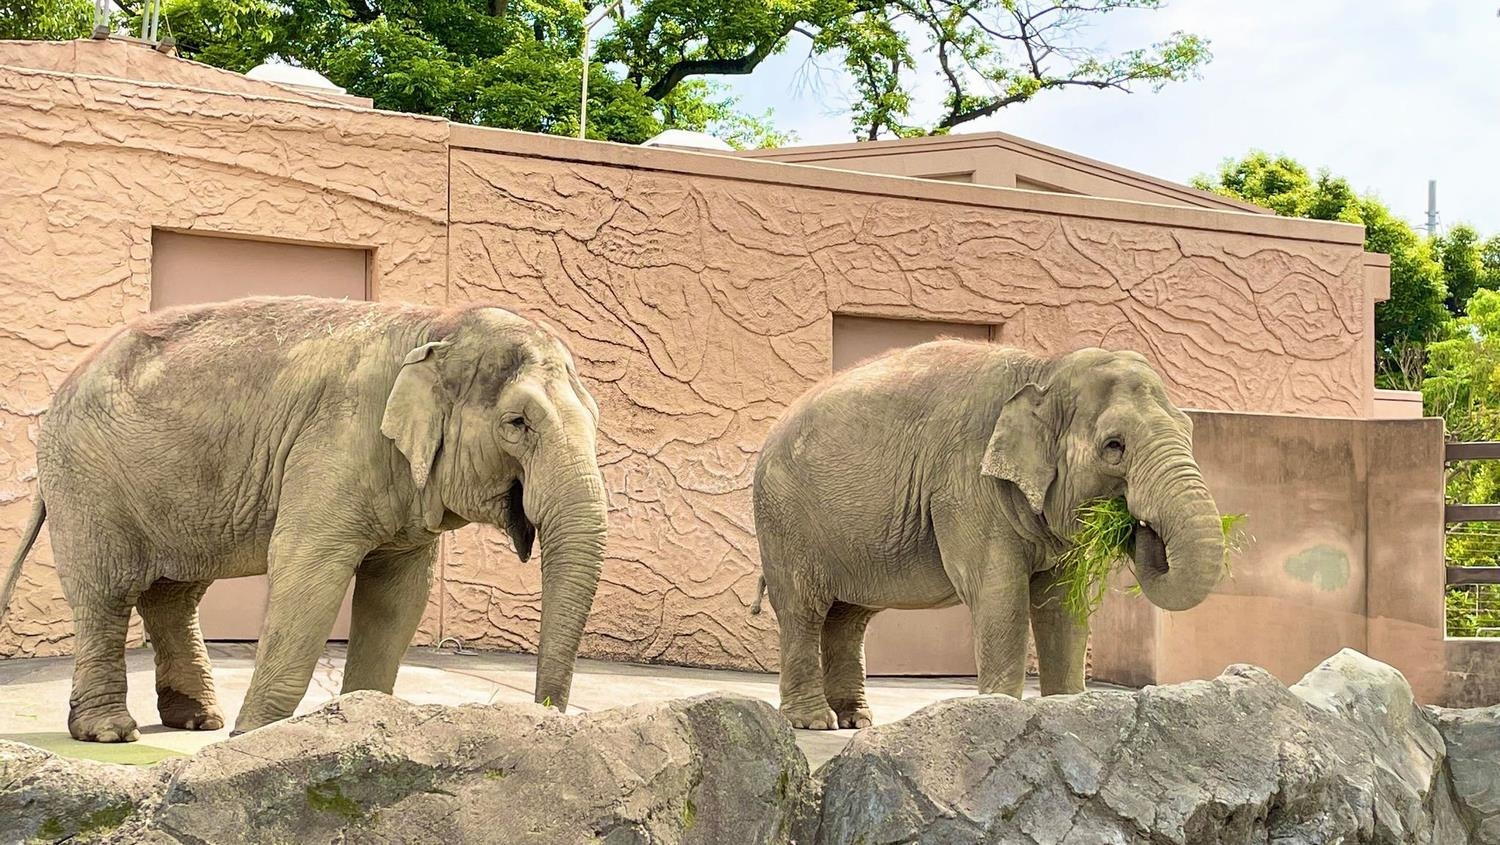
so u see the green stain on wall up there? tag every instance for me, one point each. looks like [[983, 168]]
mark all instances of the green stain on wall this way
[[1322, 566]]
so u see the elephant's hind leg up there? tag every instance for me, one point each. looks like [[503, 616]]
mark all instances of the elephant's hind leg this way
[[95, 566], [96, 708], [844, 663], [803, 701], [184, 679], [390, 593]]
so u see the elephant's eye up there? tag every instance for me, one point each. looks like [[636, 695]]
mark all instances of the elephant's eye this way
[[517, 422], [1114, 450]]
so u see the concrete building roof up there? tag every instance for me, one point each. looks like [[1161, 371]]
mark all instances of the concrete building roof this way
[[1001, 160]]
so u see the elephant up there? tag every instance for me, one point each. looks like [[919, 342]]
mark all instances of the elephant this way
[[952, 472], [315, 441]]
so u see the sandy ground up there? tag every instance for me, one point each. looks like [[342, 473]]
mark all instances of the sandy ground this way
[[34, 694]]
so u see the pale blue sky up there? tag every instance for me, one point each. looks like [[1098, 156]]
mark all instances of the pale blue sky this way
[[1389, 93]]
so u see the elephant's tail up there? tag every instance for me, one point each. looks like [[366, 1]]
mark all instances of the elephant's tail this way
[[33, 528], [760, 593]]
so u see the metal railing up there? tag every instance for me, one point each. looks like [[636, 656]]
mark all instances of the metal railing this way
[[1471, 534], [1465, 515]]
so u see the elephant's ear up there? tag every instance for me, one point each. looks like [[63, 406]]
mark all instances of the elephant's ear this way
[[522, 532], [416, 411], [1023, 448]]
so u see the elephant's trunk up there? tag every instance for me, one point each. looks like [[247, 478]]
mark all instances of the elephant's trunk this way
[[1179, 551], [571, 528]]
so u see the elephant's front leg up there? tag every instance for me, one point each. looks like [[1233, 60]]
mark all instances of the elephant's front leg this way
[[990, 574], [309, 575], [999, 614], [1061, 639], [390, 593]]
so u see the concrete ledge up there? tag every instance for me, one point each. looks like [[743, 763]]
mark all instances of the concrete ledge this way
[[828, 155], [808, 176]]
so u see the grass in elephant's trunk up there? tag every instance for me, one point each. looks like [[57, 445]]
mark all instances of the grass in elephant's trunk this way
[[1105, 539]]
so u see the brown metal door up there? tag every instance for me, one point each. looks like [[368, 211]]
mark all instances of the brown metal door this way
[[188, 269], [909, 642]]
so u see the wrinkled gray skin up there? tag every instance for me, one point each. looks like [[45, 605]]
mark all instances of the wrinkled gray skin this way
[[951, 472], [313, 440]]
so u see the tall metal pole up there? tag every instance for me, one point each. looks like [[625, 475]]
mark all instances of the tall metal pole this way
[[583, 99], [1432, 215]]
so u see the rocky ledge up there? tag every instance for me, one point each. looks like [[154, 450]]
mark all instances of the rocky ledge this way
[[1345, 755]]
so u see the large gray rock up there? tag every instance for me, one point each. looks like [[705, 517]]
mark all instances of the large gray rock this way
[[373, 768], [1344, 757], [48, 798], [1399, 751], [1472, 738]]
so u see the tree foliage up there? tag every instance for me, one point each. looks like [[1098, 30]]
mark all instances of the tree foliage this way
[[46, 20], [1463, 387], [659, 63], [1416, 312], [1469, 264], [989, 54]]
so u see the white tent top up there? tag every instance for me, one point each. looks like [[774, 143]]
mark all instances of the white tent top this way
[[690, 140], [286, 74]]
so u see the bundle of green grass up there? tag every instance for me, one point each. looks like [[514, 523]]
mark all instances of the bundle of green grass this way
[[1105, 541]]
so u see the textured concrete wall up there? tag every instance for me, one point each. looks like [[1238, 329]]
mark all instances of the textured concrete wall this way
[[89, 166], [1344, 519], [698, 292]]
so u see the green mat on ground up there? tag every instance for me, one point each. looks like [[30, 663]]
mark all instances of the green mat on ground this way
[[127, 753]]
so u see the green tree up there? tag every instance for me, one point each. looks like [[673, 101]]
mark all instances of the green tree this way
[[46, 20], [1416, 312], [515, 63], [1463, 387], [1469, 265]]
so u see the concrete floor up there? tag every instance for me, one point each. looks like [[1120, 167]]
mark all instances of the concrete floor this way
[[34, 694]]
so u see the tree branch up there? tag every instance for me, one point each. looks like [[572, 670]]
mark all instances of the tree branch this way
[[955, 118], [999, 103], [363, 11], [698, 67]]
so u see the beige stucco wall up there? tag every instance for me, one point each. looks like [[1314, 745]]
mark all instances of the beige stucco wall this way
[[89, 165], [699, 290]]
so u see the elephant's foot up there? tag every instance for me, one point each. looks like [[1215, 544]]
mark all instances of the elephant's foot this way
[[103, 725], [853, 715], [252, 717], [811, 718], [182, 711]]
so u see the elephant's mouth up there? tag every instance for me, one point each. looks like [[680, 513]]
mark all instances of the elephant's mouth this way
[[1150, 552]]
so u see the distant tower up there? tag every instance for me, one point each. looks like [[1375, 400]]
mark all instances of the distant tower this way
[[1432, 215]]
